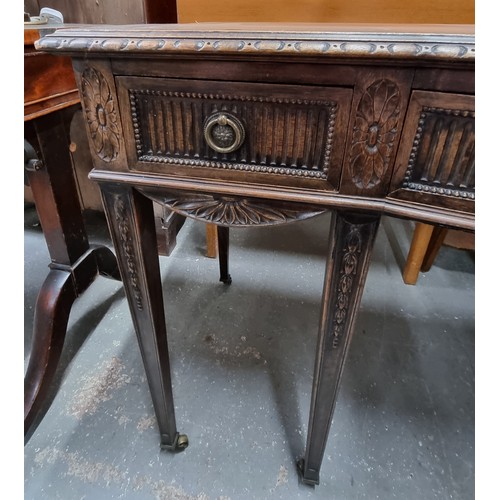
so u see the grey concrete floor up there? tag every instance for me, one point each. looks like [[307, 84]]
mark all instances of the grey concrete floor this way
[[242, 359]]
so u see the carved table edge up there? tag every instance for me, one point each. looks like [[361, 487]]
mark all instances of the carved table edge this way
[[327, 199], [225, 39]]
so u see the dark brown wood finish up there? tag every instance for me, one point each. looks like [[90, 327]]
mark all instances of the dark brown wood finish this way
[[223, 246], [131, 221], [295, 135], [51, 100], [74, 262], [351, 240], [360, 120], [49, 82], [377, 117], [436, 156]]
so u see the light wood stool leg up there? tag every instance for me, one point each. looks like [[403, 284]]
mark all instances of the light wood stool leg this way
[[211, 234], [418, 249], [437, 238]]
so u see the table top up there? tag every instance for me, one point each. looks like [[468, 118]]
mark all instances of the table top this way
[[347, 40]]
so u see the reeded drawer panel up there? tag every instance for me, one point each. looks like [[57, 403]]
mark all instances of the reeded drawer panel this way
[[283, 131], [437, 152]]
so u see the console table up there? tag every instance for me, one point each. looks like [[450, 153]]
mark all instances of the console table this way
[[251, 124]]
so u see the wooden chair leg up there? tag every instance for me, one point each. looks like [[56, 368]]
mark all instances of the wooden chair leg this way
[[437, 238], [211, 234], [418, 249], [223, 244]]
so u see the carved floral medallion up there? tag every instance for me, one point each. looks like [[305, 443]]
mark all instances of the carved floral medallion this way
[[101, 114], [375, 128]]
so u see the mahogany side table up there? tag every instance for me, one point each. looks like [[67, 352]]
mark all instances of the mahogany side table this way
[[50, 100], [252, 124]]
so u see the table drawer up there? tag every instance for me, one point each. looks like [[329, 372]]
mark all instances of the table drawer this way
[[228, 130], [435, 162]]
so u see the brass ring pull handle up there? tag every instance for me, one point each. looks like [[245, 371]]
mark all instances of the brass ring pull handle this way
[[223, 132]]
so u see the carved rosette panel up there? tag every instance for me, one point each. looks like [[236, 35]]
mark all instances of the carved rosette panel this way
[[375, 129], [230, 211], [124, 232], [286, 136], [101, 114], [349, 268], [442, 159]]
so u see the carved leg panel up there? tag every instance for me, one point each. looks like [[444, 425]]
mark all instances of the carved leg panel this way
[[223, 244], [351, 242], [131, 222]]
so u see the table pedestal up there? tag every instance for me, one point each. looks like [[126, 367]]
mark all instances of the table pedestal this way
[[74, 263]]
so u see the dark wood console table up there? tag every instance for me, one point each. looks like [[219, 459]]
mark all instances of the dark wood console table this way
[[243, 125]]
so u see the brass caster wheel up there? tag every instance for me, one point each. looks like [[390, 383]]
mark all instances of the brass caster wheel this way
[[182, 442]]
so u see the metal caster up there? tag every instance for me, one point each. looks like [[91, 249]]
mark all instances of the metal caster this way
[[182, 442]]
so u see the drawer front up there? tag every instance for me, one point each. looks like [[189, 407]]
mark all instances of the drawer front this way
[[229, 129], [436, 158]]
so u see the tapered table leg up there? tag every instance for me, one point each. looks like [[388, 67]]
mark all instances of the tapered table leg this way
[[223, 244], [351, 242], [131, 222]]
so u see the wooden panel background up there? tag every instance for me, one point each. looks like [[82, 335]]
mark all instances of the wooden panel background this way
[[359, 11], [109, 11], [188, 11]]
